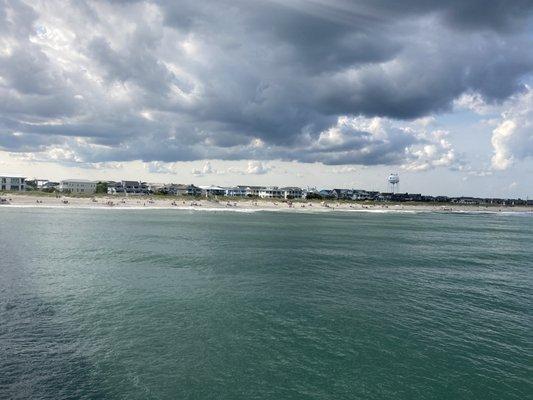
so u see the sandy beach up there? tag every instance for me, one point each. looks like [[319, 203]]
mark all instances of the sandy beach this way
[[237, 204]]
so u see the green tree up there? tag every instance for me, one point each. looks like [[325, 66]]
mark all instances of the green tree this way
[[101, 187]]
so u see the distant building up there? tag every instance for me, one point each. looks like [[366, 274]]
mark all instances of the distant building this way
[[213, 191], [342, 193], [442, 199], [252, 191], [12, 182], [326, 193], [156, 187], [238, 191], [384, 197], [40, 183], [271, 193], [292, 192], [311, 193], [49, 185], [78, 186], [188, 190], [465, 200], [128, 188], [362, 195], [181, 190]]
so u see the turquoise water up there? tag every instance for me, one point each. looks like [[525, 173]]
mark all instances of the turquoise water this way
[[111, 304]]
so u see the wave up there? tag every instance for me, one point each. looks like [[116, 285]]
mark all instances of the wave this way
[[302, 210]]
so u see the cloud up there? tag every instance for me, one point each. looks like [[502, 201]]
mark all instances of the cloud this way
[[434, 151], [512, 139], [206, 170], [114, 81], [158, 167], [381, 141], [344, 170], [257, 168]]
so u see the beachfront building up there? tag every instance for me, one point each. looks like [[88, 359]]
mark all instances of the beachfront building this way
[[238, 191], [312, 193], [35, 183], [326, 193], [466, 200], [362, 195], [41, 184], [180, 190], [342, 194], [13, 182], [77, 186], [49, 186], [155, 187], [271, 193], [128, 188], [252, 191], [212, 191], [292, 193], [187, 190]]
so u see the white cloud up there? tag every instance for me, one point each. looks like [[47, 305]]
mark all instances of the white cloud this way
[[257, 168], [437, 152], [512, 139], [475, 103], [207, 169], [501, 138], [374, 141], [159, 167], [345, 170]]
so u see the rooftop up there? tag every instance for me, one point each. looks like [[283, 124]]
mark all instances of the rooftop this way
[[78, 180]]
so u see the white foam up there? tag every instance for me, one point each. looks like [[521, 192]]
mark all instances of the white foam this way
[[300, 210]]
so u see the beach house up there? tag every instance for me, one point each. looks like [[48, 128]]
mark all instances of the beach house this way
[[252, 191], [361, 195], [292, 192], [326, 193], [128, 188], [180, 190], [272, 192], [213, 191], [77, 186], [12, 182], [342, 193], [238, 191], [188, 190]]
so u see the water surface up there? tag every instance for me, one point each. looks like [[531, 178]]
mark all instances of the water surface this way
[[165, 304]]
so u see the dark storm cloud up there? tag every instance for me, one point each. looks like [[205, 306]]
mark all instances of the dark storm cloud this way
[[182, 80]]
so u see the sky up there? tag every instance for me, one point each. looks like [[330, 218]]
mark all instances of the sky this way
[[319, 93]]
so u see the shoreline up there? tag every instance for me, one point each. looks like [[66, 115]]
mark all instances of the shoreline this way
[[107, 202]]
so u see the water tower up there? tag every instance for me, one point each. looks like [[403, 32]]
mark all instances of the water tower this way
[[394, 183]]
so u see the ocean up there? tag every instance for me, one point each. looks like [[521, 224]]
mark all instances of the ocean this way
[[167, 304]]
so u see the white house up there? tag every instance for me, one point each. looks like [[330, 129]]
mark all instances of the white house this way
[[252, 191], [238, 191], [271, 193], [79, 186], [292, 192], [39, 183], [213, 191], [12, 182]]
